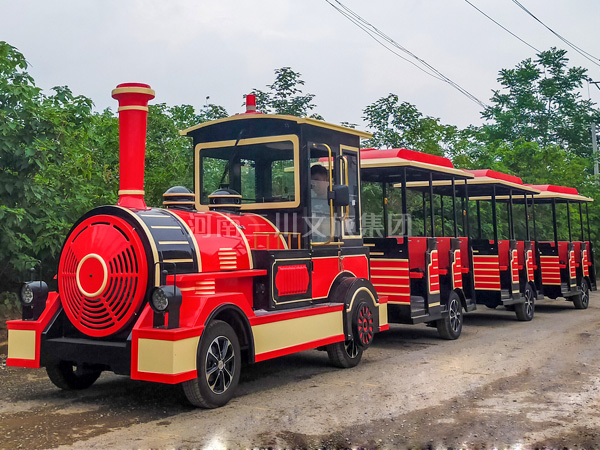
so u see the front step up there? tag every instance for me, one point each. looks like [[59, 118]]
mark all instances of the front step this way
[[417, 307]]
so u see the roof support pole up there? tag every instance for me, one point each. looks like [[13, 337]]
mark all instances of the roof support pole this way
[[479, 219], [432, 218], [554, 224], [569, 220], [494, 215], [454, 207], [404, 200]]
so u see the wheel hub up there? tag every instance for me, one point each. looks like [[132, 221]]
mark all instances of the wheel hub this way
[[365, 325]]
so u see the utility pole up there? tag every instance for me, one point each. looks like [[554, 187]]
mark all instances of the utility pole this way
[[595, 148], [594, 135]]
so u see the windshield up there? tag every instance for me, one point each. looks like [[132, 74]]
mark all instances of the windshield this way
[[262, 171]]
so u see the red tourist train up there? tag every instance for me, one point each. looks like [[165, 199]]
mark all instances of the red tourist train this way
[[230, 274], [273, 254]]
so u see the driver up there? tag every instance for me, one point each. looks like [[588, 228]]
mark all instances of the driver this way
[[321, 210]]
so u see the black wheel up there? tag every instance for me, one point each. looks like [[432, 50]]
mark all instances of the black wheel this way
[[582, 301], [344, 354], [219, 367], [525, 310], [450, 326], [69, 376], [491, 307]]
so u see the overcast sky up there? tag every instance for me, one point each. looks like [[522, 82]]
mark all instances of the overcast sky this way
[[190, 49]]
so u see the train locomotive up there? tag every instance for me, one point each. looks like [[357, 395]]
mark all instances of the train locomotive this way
[[232, 273]]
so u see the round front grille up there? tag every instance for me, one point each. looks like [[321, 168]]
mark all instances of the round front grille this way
[[103, 274]]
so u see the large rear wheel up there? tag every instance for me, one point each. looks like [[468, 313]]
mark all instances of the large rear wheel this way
[[344, 354], [219, 367], [450, 326], [70, 376]]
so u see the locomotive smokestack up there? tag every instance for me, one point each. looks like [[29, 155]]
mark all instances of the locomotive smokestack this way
[[133, 112]]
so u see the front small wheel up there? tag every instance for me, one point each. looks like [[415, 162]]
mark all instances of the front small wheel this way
[[450, 326], [344, 354], [525, 310], [582, 301], [219, 367], [69, 376]]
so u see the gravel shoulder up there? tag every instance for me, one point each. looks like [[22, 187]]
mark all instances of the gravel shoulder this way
[[503, 384]]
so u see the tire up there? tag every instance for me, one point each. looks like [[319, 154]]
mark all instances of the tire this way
[[70, 377], [526, 310], [492, 307], [344, 354], [450, 326], [219, 367], [582, 301]]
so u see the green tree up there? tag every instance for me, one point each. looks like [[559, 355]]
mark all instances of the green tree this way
[[396, 124], [285, 96], [168, 155], [49, 176], [540, 102], [59, 159]]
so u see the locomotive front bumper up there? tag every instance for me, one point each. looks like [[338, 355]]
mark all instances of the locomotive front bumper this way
[[147, 353]]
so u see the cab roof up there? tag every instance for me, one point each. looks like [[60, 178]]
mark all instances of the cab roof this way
[[298, 120]]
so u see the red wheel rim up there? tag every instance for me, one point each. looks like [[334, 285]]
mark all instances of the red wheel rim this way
[[365, 325]]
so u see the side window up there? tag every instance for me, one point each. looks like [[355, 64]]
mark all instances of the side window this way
[[248, 180], [282, 176], [351, 213]]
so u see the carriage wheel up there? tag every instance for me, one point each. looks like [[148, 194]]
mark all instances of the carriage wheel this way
[[525, 310], [582, 301], [450, 326]]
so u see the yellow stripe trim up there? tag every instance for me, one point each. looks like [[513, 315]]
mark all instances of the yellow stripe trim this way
[[133, 108]]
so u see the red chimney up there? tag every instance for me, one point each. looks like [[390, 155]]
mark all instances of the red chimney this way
[[133, 112]]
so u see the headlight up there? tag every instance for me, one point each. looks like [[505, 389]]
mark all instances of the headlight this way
[[26, 294], [159, 300], [166, 300], [33, 292]]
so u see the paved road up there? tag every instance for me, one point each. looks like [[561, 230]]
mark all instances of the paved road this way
[[503, 383]]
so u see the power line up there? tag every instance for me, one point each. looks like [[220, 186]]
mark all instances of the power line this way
[[579, 50], [366, 30], [379, 36], [503, 27]]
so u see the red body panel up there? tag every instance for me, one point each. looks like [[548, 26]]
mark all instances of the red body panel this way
[[292, 279], [486, 272], [550, 270], [457, 281], [39, 325], [434, 273], [391, 278]]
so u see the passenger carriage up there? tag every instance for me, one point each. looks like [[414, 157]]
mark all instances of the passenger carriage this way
[[565, 259], [417, 261], [503, 265]]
